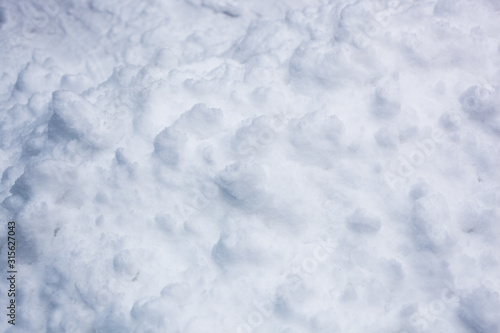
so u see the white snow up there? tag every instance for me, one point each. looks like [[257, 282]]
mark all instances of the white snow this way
[[251, 166]]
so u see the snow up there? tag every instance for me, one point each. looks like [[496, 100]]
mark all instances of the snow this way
[[251, 166]]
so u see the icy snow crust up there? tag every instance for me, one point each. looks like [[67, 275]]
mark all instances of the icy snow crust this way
[[252, 166]]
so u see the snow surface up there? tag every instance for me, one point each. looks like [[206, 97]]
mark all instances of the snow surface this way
[[207, 166]]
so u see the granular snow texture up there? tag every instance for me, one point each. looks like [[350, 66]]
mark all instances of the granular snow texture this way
[[206, 166]]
